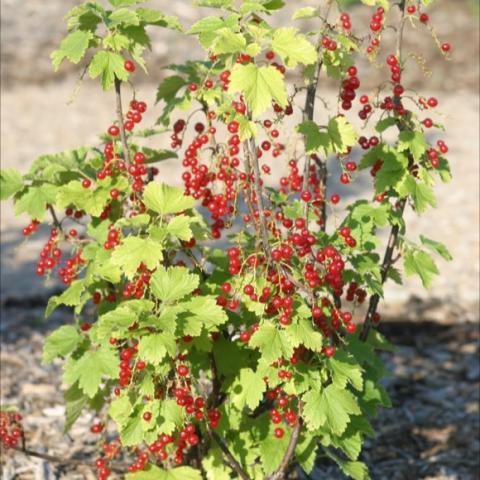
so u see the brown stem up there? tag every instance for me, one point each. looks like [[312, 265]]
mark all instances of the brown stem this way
[[279, 474], [386, 264], [56, 222], [392, 240], [121, 125], [122, 469], [216, 386], [250, 148], [308, 115], [234, 465]]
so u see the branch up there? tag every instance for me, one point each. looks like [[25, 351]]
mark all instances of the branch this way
[[392, 241], [250, 148], [117, 468], [123, 135], [289, 453], [56, 222], [308, 115], [234, 465], [387, 263]]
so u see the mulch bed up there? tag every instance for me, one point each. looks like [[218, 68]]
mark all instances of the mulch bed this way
[[432, 431]]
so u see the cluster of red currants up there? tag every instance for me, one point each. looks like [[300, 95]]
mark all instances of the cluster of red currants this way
[[282, 411], [349, 87], [136, 288], [11, 430], [31, 228]]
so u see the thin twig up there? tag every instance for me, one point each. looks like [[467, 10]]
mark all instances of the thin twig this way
[[234, 465], [308, 115], [250, 149], [121, 125], [393, 238], [279, 474], [56, 222], [117, 468], [386, 264]]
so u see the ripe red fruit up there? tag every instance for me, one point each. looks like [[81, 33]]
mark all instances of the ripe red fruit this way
[[279, 432], [330, 351], [424, 18], [113, 131], [147, 416], [129, 66], [86, 183], [446, 47], [183, 370], [245, 337], [335, 198]]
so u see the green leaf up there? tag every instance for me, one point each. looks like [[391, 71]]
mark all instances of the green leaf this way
[[169, 88], [73, 47], [306, 451], [355, 470], [437, 247], [422, 194], [173, 283], [60, 343], [247, 390], [34, 201], [123, 16], [124, 3], [228, 42], [314, 138], [90, 369], [109, 65], [207, 24], [385, 123], [334, 410], [11, 182], [420, 263], [70, 297], [345, 370], [153, 348], [116, 41], [391, 173], [305, 12], [116, 322], [342, 134], [165, 200], [157, 155], [303, 333], [90, 200], [75, 401], [311, 409], [214, 465], [120, 410], [293, 47], [259, 85], [272, 343], [249, 7], [179, 227], [273, 4], [247, 129], [151, 472], [382, 3], [132, 432], [134, 251], [413, 141], [272, 449], [202, 311]]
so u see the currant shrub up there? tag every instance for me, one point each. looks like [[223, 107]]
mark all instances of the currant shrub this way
[[213, 361]]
